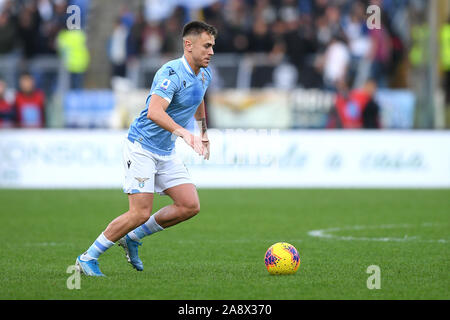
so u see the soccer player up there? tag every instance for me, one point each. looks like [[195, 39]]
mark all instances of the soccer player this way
[[150, 164]]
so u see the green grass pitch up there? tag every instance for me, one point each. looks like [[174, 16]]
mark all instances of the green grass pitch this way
[[219, 254]]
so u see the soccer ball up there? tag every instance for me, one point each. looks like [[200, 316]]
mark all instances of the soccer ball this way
[[282, 258]]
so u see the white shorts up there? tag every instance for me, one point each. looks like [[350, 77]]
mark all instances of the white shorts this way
[[149, 172]]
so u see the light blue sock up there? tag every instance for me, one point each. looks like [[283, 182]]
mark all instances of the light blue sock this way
[[146, 229], [100, 245]]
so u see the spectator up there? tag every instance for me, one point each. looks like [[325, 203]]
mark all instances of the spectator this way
[[380, 55], [29, 104], [48, 26], [45, 9], [152, 39], [357, 33], [214, 16], [74, 52], [126, 16], [237, 17], [134, 43], [371, 112], [171, 43], [213, 13], [156, 11], [118, 49], [59, 15], [7, 32], [302, 50], [288, 11], [28, 29], [265, 10], [329, 26], [334, 63], [355, 109], [319, 8], [260, 39], [285, 76], [6, 108]]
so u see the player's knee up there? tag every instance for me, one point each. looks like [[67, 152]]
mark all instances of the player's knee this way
[[141, 215], [196, 208], [190, 209]]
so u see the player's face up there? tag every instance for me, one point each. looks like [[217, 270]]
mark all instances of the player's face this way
[[202, 49]]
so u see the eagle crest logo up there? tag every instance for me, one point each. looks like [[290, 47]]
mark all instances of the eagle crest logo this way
[[141, 181]]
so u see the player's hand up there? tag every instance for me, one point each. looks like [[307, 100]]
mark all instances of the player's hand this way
[[194, 142], [191, 140], [205, 143]]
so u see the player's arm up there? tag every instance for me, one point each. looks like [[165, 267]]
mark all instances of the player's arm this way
[[157, 113], [200, 117]]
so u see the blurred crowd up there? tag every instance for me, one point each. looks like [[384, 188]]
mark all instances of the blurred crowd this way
[[30, 29], [325, 43], [326, 40], [314, 44], [25, 108], [31, 26]]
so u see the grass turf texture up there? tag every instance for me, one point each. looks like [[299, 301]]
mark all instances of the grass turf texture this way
[[219, 254]]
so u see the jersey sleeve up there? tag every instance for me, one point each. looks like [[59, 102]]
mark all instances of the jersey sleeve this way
[[167, 83]]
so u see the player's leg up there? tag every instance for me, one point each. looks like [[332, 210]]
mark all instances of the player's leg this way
[[139, 184], [138, 213], [140, 208], [172, 179], [130, 241], [186, 204]]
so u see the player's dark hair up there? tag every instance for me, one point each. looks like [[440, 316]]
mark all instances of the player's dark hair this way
[[198, 27]]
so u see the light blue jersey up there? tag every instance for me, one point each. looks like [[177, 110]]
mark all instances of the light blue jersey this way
[[176, 82]]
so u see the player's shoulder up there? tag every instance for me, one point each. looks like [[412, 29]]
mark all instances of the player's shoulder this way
[[171, 70], [172, 67]]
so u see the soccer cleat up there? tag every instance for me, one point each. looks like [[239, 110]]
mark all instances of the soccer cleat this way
[[131, 251], [89, 267]]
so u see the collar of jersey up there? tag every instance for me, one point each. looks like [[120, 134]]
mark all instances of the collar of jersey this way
[[188, 67]]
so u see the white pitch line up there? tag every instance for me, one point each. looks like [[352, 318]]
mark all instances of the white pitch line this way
[[45, 244], [327, 233]]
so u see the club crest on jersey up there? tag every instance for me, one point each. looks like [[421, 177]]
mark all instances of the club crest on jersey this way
[[165, 84], [141, 181]]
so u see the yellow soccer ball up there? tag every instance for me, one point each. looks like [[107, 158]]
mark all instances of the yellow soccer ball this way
[[282, 258]]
